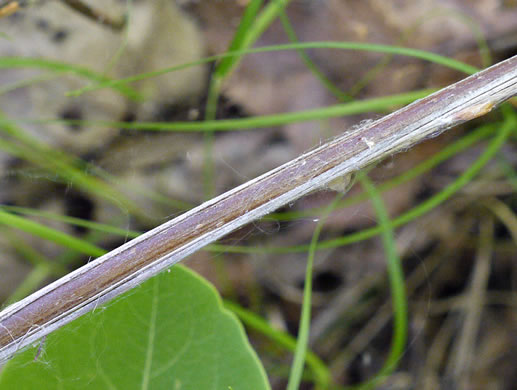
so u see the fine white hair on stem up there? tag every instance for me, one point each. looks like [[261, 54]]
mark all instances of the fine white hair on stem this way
[[129, 265]]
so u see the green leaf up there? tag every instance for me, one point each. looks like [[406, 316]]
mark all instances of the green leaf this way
[[172, 332]]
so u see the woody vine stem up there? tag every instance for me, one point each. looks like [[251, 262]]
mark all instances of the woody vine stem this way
[[110, 275]]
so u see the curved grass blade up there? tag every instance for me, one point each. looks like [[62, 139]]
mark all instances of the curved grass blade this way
[[62, 67], [49, 234], [296, 372], [356, 107], [397, 286], [404, 51]]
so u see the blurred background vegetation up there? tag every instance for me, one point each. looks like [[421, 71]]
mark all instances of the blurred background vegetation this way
[[87, 163]]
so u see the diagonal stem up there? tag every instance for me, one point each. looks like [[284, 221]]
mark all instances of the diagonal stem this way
[[125, 267]]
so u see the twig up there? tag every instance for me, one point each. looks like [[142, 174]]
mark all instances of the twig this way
[[460, 367], [129, 265], [96, 15], [505, 215]]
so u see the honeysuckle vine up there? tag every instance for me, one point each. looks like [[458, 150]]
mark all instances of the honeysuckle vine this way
[[110, 275]]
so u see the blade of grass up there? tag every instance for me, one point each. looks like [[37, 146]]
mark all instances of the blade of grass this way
[[352, 108], [253, 321], [123, 45], [248, 18], [62, 67], [222, 70], [397, 287], [474, 27], [27, 82], [49, 234], [291, 34], [252, 25], [208, 138], [377, 48], [295, 374], [100, 227]]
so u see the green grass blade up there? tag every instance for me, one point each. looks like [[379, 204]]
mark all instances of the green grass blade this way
[[251, 27], [49, 234], [473, 25], [61, 67], [463, 18], [253, 321], [27, 82], [291, 34], [371, 47], [397, 287], [100, 227], [352, 108], [247, 20], [128, 16], [296, 372], [208, 138], [262, 22]]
